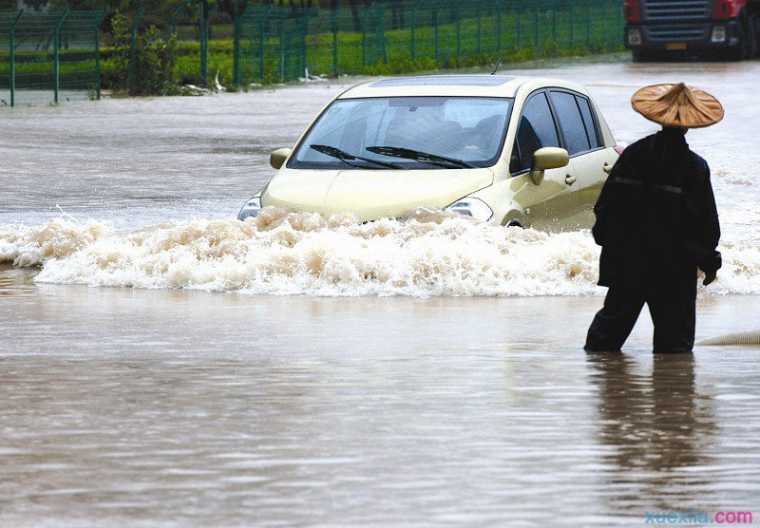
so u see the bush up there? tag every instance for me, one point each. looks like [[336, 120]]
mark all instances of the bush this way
[[146, 70], [154, 64], [118, 59]]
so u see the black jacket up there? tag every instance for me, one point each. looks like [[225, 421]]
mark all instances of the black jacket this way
[[656, 217]]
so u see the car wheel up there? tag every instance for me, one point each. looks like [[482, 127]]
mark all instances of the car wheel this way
[[514, 223]]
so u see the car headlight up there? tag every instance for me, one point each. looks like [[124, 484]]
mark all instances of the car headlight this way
[[472, 207], [251, 208]]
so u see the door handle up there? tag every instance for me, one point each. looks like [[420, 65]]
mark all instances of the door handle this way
[[607, 167], [569, 179]]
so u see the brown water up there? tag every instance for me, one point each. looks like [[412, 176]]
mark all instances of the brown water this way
[[172, 407]]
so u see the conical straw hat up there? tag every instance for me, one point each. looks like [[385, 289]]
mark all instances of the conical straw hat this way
[[677, 105]]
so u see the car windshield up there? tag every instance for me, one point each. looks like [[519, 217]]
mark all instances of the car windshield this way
[[422, 133]]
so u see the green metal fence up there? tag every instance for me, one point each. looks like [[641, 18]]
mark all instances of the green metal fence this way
[[278, 44], [48, 56], [272, 44]]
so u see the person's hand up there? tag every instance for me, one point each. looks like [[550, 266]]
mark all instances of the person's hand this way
[[710, 277]]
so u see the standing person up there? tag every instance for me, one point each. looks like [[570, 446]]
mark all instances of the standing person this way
[[657, 222]]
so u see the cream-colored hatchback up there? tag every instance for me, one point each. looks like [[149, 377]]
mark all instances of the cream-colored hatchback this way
[[507, 150]]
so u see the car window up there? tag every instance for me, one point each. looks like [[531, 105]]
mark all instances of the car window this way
[[535, 130], [471, 129], [588, 121], [571, 122]]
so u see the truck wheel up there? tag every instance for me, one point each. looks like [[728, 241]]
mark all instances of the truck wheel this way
[[751, 45], [643, 56], [734, 54], [747, 47]]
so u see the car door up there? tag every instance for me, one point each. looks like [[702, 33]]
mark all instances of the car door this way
[[537, 128], [585, 174]]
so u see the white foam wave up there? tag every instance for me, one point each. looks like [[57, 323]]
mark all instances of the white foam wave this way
[[430, 254], [26, 246]]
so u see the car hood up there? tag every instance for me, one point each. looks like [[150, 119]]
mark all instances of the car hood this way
[[372, 194]]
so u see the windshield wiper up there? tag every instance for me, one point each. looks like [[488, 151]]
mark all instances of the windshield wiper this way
[[405, 153], [347, 158]]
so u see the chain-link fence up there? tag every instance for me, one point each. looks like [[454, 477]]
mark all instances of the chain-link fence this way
[[278, 44], [49, 56]]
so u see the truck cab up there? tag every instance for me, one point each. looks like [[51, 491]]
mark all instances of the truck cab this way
[[678, 28]]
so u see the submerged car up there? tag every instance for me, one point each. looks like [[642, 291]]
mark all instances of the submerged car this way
[[507, 150]]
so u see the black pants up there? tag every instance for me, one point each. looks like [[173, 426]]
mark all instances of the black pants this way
[[672, 305]]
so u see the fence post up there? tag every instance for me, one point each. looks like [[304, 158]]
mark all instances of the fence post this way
[[237, 77], [12, 56], [133, 51], [334, 16], [554, 24], [57, 57], [304, 48], [459, 33], [572, 25], [435, 33], [376, 19], [281, 34], [381, 34], [518, 28], [204, 40], [498, 28], [364, 44], [173, 26], [98, 80], [621, 28], [283, 54], [480, 28], [414, 32], [174, 18], [262, 43], [12, 50]]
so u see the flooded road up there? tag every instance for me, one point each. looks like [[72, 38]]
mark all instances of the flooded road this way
[[418, 374]]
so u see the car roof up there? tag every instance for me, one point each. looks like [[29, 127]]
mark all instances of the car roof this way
[[454, 86]]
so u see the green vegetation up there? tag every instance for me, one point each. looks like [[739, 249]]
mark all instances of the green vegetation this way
[[142, 63]]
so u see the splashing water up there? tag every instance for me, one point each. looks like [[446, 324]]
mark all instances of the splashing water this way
[[25, 246], [429, 254]]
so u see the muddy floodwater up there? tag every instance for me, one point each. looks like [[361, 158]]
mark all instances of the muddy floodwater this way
[[162, 364]]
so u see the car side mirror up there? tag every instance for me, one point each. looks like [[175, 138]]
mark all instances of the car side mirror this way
[[547, 158], [278, 157]]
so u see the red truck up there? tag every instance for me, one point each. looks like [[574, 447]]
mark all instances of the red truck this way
[[728, 29]]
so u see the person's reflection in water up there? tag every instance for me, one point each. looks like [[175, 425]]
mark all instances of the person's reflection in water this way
[[658, 427]]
